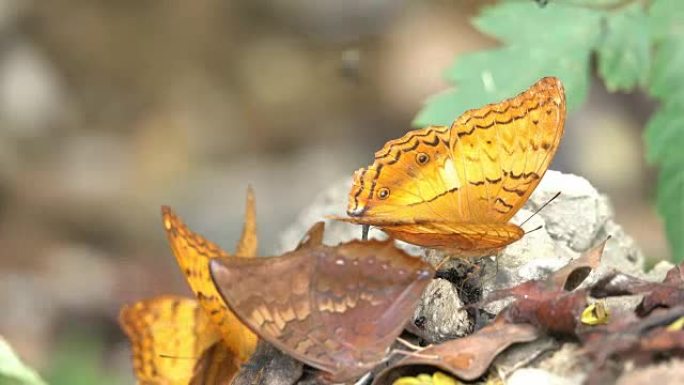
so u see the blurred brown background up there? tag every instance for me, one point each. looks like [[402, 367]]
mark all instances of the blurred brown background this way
[[109, 109]]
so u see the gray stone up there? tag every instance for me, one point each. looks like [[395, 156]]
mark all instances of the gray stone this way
[[442, 313], [577, 216], [574, 222]]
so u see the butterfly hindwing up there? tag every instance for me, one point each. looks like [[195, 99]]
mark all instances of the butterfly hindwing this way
[[167, 336]]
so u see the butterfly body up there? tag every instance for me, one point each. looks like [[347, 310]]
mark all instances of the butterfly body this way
[[337, 309], [455, 188]]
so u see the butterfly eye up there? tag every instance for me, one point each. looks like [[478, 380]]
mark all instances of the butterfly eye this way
[[383, 193], [422, 158]]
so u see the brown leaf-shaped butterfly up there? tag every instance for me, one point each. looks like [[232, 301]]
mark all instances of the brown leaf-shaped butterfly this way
[[337, 309]]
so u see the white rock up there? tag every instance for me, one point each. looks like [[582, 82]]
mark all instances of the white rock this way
[[574, 222], [540, 377], [577, 215]]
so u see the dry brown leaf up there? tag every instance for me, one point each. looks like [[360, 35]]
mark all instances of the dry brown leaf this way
[[466, 358]]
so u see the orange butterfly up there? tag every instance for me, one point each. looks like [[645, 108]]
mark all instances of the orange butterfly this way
[[455, 188], [193, 254], [180, 341], [175, 343]]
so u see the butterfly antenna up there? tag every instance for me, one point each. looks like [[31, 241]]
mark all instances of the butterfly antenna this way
[[442, 262], [540, 209], [533, 230], [364, 232]]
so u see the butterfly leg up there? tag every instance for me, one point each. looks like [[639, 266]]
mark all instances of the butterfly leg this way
[[411, 354], [442, 262], [410, 345], [496, 268], [483, 268], [364, 232]]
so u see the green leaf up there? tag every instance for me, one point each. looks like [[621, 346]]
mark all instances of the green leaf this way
[[549, 26], [624, 54], [501, 73], [670, 201], [440, 108], [667, 75], [542, 41], [13, 371], [78, 359], [490, 76], [666, 18], [664, 134]]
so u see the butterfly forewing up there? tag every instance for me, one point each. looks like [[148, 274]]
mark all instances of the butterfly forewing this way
[[334, 308], [405, 177]]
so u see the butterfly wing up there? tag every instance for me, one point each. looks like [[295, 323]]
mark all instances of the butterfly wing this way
[[456, 188], [193, 253], [216, 366], [482, 169], [167, 336], [248, 243], [408, 179], [313, 237], [337, 309], [458, 239]]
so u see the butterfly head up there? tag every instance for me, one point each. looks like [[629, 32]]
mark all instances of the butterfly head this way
[[365, 192]]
